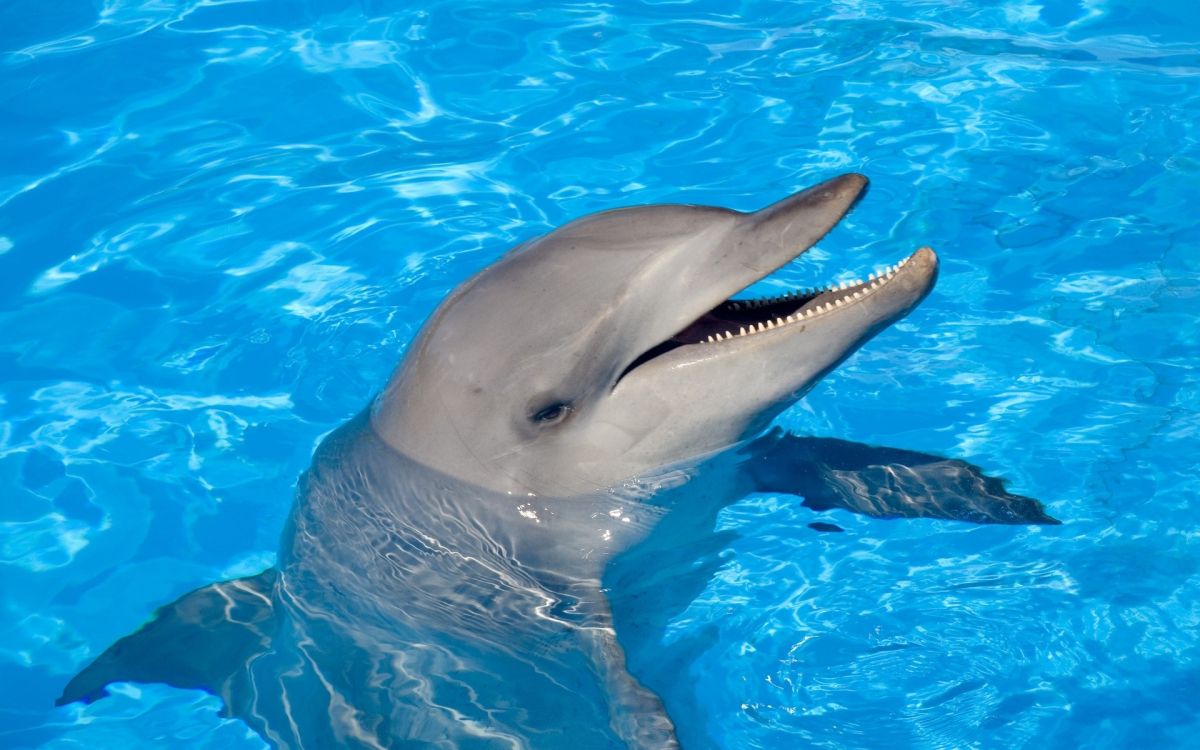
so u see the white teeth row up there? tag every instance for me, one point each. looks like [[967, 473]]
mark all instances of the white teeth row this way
[[749, 304], [874, 281]]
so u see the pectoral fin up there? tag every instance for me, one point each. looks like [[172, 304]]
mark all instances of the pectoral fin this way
[[886, 482], [202, 640]]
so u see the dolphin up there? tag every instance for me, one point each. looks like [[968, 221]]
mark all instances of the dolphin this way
[[440, 582]]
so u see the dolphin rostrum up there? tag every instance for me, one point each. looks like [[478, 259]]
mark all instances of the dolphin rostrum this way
[[439, 581]]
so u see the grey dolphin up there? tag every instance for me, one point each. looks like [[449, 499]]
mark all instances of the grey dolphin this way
[[439, 582]]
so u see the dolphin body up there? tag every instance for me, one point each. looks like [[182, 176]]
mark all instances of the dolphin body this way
[[441, 579]]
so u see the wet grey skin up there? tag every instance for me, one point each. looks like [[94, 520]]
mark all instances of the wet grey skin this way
[[445, 577]]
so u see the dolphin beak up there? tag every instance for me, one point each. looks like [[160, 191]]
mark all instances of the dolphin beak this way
[[763, 242]]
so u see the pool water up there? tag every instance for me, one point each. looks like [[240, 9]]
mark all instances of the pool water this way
[[221, 222]]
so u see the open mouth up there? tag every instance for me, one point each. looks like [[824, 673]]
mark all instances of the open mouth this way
[[746, 317], [735, 319]]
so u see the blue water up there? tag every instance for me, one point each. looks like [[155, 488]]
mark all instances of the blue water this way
[[221, 223]]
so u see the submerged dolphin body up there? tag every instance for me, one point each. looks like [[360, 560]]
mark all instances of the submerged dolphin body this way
[[439, 579]]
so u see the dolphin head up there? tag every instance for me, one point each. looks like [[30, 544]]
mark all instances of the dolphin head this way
[[611, 348]]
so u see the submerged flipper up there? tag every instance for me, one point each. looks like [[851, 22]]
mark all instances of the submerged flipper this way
[[202, 640], [885, 482]]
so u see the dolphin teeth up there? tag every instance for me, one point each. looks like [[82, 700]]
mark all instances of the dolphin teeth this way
[[838, 303], [857, 295], [871, 277], [791, 318], [742, 332], [710, 340], [778, 321], [735, 306]]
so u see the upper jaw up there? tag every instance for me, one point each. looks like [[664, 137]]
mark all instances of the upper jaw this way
[[695, 286]]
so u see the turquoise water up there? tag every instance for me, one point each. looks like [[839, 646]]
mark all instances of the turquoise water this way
[[221, 223]]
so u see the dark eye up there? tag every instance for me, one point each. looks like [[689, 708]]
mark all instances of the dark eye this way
[[552, 414]]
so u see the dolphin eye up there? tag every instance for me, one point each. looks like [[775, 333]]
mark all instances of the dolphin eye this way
[[551, 414]]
